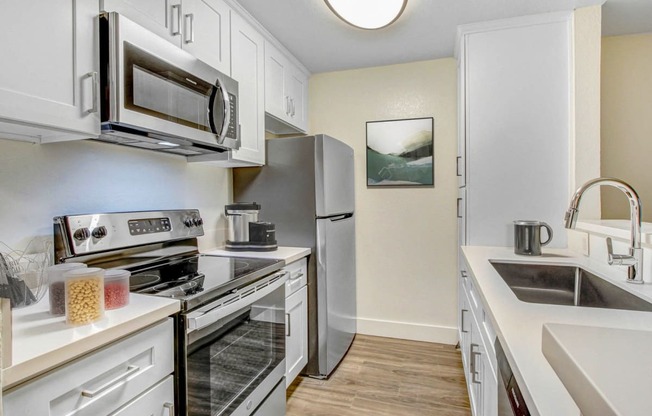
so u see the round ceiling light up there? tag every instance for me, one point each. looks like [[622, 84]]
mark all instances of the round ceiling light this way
[[367, 14]]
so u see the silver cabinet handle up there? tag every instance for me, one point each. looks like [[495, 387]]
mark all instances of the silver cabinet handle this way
[[459, 159], [287, 105], [296, 276], [94, 86], [463, 274], [474, 372], [170, 407], [462, 321], [293, 108], [190, 17], [459, 205], [176, 8], [132, 369], [288, 331]]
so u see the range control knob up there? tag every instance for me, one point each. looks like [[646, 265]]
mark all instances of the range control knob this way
[[197, 222], [82, 234], [100, 232], [188, 222]]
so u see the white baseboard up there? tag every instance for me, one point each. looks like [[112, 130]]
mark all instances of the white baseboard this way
[[406, 330]]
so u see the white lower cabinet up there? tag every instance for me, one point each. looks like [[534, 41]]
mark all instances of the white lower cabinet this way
[[477, 339], [296, 313], [128, 377]]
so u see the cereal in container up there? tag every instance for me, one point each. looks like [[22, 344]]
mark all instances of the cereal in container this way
[[84, 295], [57, 286], [116, 288]]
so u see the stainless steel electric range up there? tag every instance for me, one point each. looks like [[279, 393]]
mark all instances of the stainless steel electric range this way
[[230, 333]]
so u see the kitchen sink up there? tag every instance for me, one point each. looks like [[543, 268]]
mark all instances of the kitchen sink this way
[[566, 285]]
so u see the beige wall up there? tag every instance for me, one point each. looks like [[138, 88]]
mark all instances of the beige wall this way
[[627, 120], [406, 237], [585, 152]]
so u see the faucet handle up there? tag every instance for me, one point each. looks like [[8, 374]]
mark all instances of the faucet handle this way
[[618, 259]]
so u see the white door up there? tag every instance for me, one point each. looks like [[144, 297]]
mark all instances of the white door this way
[[206, 32], [296, 340], [161, 17]]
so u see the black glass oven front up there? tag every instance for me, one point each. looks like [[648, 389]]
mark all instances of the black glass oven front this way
[[234, 356]]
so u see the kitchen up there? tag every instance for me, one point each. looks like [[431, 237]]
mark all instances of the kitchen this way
[[81, 176]]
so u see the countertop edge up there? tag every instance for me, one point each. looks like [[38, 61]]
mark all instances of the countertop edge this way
[[20, 373], [288, 254]]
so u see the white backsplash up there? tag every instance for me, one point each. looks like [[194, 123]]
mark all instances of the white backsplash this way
[[38, 182]]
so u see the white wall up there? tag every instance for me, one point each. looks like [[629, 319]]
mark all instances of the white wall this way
[[38, 182], [406, 237]]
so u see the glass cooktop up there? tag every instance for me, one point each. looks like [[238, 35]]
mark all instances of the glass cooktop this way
[[198, 279]]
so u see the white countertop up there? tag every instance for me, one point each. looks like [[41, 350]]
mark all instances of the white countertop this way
[[519, 325], [289, 254], [606, 370], [42, 341]]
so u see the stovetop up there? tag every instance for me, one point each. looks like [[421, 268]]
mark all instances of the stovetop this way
[[198, 279]]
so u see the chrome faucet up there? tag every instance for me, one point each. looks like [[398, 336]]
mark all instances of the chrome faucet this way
[[634, 260]]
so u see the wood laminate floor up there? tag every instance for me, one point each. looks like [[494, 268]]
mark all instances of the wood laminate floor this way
[[386, 377]]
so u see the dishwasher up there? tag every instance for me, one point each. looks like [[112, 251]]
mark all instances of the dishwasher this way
[[510, 399]]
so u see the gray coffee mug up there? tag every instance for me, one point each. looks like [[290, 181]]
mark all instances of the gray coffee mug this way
[[527, 237]]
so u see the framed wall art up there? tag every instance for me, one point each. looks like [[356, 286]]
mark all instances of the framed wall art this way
[[400, 152]]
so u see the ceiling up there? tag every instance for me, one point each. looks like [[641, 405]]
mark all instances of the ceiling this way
[[426, 30]]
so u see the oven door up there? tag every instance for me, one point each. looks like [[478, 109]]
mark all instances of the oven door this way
[[235, 350]]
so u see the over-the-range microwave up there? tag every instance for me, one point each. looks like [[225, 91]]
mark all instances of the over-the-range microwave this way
[[157, 96]]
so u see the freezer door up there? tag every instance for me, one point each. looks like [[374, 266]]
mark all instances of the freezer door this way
[[334, 178], [336, 289]]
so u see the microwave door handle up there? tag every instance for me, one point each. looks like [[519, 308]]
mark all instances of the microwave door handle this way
[[220, 90]]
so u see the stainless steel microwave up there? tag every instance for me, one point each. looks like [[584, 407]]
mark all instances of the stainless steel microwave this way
[[157, 96]]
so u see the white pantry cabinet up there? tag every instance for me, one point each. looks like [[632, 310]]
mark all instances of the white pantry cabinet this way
[[49, 77], [286, 94], [199, 26], [122, 376], [296, 314], [514, 124]]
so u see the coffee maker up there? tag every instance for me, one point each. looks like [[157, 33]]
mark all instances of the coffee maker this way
[[246, 233]]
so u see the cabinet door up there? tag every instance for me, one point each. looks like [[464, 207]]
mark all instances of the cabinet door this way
[[296, 340], [159, 400], [162, 17], [49, 70], [247, 67], [277, 102], [476, 370], [206, 32], [297, 91]]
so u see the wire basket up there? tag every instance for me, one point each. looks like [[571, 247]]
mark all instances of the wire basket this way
[[23, 276]]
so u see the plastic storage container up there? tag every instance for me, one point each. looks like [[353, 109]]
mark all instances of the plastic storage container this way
[[116, 288], [84, 295], [57, 286]]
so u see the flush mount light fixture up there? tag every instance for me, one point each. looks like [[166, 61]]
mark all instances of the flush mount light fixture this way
[[367, 14]]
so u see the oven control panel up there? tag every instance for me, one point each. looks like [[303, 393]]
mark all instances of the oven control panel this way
[[91, 233]]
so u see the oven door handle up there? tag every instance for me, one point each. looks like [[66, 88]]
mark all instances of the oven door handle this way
[[203, 318]]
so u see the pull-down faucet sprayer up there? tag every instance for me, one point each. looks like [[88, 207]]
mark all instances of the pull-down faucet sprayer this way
[[635, 258]]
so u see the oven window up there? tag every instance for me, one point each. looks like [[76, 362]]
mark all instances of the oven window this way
[[224, 368]]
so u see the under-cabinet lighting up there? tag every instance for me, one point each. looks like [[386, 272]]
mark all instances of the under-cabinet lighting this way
[[168, 144]]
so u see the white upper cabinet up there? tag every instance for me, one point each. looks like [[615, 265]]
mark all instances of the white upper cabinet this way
[[206, 32], [247, 67], [199, 26], [286, 94], [49, 79]]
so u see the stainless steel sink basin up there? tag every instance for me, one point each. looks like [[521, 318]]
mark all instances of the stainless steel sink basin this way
[[566, 285]]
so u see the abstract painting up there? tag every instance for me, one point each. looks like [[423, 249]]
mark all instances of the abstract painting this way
[[400, 152]]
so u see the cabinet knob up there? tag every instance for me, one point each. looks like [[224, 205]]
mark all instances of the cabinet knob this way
[[82, 234]]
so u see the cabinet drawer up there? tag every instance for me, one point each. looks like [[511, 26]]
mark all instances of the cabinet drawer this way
[[298, 276], [100, 382], [159, 400]]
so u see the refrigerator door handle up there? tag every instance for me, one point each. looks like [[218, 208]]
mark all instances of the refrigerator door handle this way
[[337, 217]]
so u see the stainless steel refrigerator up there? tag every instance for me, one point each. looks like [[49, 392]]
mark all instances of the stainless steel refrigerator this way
[[307, 190]]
